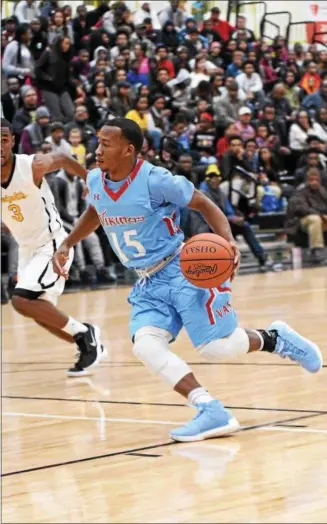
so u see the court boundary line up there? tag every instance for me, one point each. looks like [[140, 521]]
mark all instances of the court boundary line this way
[[109, 364], [154, 446], [235, 298], [163, 404]]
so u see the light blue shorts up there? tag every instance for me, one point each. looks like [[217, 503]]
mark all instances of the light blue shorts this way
[[168, 301]]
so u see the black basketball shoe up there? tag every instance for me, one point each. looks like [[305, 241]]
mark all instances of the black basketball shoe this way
[[91, 351]]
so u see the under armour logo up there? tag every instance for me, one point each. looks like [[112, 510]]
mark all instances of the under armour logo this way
[[96, 196]]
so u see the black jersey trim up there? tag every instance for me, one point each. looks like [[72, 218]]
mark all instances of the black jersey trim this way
[[6, 184], [47, 286], [27, 293]]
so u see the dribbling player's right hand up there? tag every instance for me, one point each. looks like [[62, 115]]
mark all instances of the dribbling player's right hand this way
[[59, 260]]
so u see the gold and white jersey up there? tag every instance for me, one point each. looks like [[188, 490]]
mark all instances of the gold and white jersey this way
[[27, 210]]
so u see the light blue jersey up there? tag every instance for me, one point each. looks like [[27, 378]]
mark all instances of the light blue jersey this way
[[141, 214]]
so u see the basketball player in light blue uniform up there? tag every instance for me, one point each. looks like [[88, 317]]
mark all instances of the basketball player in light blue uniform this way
[[138, 206]]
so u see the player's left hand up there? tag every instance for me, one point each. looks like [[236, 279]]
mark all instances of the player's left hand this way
[[237, 258]]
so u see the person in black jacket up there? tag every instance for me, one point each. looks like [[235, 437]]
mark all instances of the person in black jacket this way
[[26, 114], [11, 101], [55, 80], [39, 39], [169, 37]]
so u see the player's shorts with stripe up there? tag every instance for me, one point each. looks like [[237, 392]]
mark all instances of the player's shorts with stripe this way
[[36, 278], [167, 300]]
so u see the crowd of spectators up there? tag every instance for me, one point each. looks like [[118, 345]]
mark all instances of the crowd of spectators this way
[[217, 104]]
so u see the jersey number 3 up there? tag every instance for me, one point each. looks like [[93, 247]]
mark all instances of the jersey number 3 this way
[[129, 242], [17, 212]]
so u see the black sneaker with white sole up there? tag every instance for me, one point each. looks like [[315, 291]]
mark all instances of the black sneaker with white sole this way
[[91, 351]]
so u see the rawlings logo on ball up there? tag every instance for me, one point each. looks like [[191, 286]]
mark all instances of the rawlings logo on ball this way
[[201, 269]]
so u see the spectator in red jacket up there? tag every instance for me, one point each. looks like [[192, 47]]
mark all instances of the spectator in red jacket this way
[[223, 28], [163, 60]]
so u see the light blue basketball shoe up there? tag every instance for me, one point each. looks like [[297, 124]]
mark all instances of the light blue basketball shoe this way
[[292, 345], [212, 420]]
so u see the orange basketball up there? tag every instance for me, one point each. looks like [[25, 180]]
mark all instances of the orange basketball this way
[[207, 260]]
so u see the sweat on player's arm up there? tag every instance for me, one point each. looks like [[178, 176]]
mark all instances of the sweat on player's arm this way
[[216, 220], [43, 164], [86, 224]]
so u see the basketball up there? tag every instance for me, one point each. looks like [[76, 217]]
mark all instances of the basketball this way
[[207, 260]]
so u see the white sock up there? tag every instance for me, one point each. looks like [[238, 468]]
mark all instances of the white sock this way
[[198, 396], [73, 327], [261, 339]]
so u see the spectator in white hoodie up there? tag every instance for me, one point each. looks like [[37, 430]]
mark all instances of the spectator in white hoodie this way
[[250, 83], [26, 10]]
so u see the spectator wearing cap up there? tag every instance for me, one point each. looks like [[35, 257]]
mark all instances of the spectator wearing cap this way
[[235, 68], [318, 99], [242, 30], [223, 28], [237, 221], [243, 126], [145, 12], [17, 58], [169, 37], [205, 136], [26, 10], [26, 114], [55, 80], [174, 13], [311, 80], [227, 106], [34, 134], [163, 61], [250, 83], [11, 100], [57, 140], [122, 102]]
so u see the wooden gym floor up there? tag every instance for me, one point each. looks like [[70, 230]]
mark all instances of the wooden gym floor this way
[[97, 449]]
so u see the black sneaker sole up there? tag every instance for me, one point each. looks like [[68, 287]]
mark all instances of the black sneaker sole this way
[[72, 372]]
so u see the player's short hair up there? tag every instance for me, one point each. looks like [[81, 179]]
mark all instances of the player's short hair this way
[[129, 130], [6, 123]]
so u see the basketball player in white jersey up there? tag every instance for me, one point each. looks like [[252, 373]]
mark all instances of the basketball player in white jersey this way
[[29, 211]]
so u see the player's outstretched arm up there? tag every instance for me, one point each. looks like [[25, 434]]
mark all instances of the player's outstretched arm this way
[[216, 220], [86, 224], [43, 164]]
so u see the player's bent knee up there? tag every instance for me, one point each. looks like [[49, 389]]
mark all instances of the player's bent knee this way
[[230, 347], [151, 347]]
